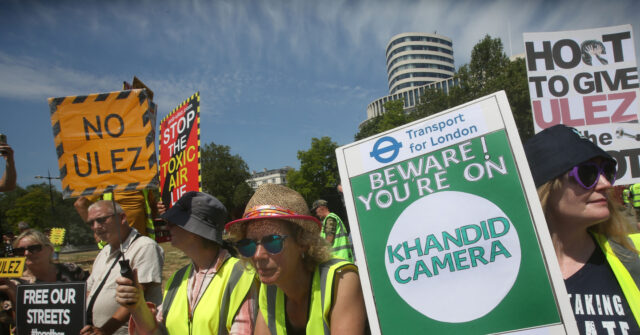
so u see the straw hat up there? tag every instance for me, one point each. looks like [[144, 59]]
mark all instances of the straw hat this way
[[273, 201]]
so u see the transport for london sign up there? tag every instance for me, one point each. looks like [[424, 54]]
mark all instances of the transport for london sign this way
[[447, 227]]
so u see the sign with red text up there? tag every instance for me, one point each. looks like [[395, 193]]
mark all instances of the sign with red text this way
[[447, 228], [588, 79], [105, 142], [180, 151], [56, 308]]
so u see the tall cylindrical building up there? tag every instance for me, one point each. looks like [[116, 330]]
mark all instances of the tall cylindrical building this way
[[418, 59], [415, 62]]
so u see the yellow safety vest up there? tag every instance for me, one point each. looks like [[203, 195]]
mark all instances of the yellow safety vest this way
[[635, 194], [272, 301], [218, 306], [341, 247], [627, 270]]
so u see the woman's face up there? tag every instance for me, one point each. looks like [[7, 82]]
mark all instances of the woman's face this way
[[36, 258], [180, 238], [572, 203], [276, 268]]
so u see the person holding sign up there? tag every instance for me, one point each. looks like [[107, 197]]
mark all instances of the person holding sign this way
[[8, 180], [38, 250], [108, 221], [40, 268], [597, 255], [333, 230], [215, 294], [303, 289]]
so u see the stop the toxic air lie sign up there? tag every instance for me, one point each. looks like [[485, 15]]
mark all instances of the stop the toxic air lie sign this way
[[448, 232]]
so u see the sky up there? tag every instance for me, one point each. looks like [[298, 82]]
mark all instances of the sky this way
[[272, 74]]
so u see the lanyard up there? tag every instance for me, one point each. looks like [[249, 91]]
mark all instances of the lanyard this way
[[197, 296]]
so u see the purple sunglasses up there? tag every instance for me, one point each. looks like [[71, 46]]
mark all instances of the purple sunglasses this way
[[587, 174]]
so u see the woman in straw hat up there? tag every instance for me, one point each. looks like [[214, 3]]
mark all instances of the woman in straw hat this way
[[214, 294], [303, 290], [591, 238]]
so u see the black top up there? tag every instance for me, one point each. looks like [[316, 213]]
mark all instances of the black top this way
[[597, 300]]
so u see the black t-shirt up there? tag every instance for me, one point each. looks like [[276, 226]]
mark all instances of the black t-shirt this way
[[597, 300]]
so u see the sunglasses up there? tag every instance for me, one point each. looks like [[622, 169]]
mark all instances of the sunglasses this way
[[101, 220], [587, 174], [272, 243], [32, 249]]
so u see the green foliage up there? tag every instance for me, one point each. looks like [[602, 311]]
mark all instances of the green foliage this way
[[318, 175], [34, 206], [224, 176], [488, 71], [393, 116]]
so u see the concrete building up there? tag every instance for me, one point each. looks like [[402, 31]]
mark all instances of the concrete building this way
[[415, 62], [275, 176]]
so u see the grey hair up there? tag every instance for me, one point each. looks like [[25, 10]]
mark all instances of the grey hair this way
[[107, 204]]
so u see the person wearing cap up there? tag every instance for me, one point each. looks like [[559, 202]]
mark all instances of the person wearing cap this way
[[303, 289], [214, 294], [333, 230], [109, 223], [23, 226], [596, 253]]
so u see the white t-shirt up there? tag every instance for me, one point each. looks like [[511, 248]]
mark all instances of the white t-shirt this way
[[145, 255]]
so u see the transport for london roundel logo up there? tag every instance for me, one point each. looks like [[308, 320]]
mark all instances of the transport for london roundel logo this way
[[453, 256], [386, 149]]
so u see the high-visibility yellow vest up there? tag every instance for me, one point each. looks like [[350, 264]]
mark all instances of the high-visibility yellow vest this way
[[623, 267], [626, 194], [272, 304], [218, 305], [341, 247]]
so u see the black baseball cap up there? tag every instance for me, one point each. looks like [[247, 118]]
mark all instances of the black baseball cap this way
[[555, 150]]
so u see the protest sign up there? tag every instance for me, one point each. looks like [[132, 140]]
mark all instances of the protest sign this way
[[180, 151], [51, 309], [448, 232], [105, 142], [588, 79], [11, 267], [57, 236]]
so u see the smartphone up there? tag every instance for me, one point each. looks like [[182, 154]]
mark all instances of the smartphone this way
[[3, 140]]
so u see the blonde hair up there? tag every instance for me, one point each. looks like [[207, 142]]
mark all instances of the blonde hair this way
[[615, 227], [36, 236]]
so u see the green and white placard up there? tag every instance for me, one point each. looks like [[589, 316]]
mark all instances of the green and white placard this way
[[447, 228]]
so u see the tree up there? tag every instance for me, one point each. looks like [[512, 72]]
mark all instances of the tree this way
[[33, 205], [393, 116], [318, 175], [488, 72], [433, 101], [223, 174]]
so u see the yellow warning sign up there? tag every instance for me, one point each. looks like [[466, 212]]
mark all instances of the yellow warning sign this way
[[11, 267], [57, 236], [105, 142]]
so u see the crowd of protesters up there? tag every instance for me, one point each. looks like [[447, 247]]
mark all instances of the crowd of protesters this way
[[269, 271]]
